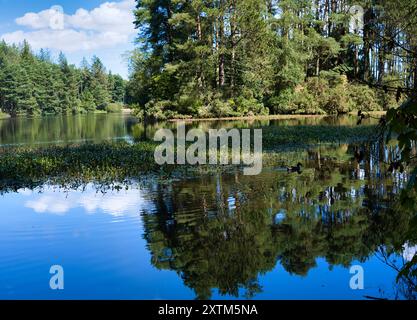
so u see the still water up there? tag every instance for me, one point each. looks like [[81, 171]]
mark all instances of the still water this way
[[229, 236]]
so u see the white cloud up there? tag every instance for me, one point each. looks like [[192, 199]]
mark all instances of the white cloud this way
[[108, 25], [110, 16], [67, 40]]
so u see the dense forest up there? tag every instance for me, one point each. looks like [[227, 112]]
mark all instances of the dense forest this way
[[34, 84], [217, 58], [206, 58]]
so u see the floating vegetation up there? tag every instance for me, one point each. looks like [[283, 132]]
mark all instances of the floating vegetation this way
[[114, 162], [296, 137]]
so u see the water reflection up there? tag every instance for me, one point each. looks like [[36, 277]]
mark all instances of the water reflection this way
[[100, 127], [225, 231], [229, 235], [66, 129]]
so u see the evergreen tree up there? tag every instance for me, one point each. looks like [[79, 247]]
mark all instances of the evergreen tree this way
[[229, 57], [34, 84], [98, 86]]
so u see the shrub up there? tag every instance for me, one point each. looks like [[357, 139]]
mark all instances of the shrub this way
[[114, 108], [161, 110], [214, 105], [337, 101], [87, 102], [330, 93], [282, 104], [363, 98], [306, 103], [249, 107]]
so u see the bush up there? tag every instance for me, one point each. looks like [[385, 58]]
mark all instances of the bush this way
[[298, 101], [249, 107], [363, 98], [306, 103], [328, 94], [282, 104], [214, 105], [87, 102], [114, 107], [161, 110], [337, 101]]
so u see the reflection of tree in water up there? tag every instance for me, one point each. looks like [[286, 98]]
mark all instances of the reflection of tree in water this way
[[406, 285], [91, 127], [224, 231], [217, 247]]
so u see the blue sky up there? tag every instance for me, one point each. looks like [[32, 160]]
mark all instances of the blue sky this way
[[77, 28]]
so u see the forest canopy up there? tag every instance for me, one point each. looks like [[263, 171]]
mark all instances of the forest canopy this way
[[33, 84], [222, 58], [214, 58]]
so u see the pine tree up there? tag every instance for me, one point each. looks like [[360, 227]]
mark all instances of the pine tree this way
[[98, 86], [34, 84]]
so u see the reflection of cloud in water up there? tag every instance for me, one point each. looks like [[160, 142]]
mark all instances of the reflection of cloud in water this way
[[56, 201], [52, 204]]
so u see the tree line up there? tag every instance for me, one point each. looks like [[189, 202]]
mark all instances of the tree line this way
[[242, 57], [34, 84]]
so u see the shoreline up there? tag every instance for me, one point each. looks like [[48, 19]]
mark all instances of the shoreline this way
[[127, 111], [274, 117], [4, 116]]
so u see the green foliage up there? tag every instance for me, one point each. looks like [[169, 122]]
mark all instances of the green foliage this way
[[363, 98], [112, 162], [26, 166], [114, 108], [328, 94], [237, 58], [87, 102], [34, 85]]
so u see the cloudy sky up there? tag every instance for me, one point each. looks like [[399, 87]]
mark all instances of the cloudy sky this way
[[77, 28]]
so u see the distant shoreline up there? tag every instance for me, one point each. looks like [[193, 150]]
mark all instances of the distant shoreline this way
[[272, 117], [128, 111]]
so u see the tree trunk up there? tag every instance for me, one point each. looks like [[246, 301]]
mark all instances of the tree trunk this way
[[200, 39], [221, 46], [366, 45], [415, 75], [233, 43]]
